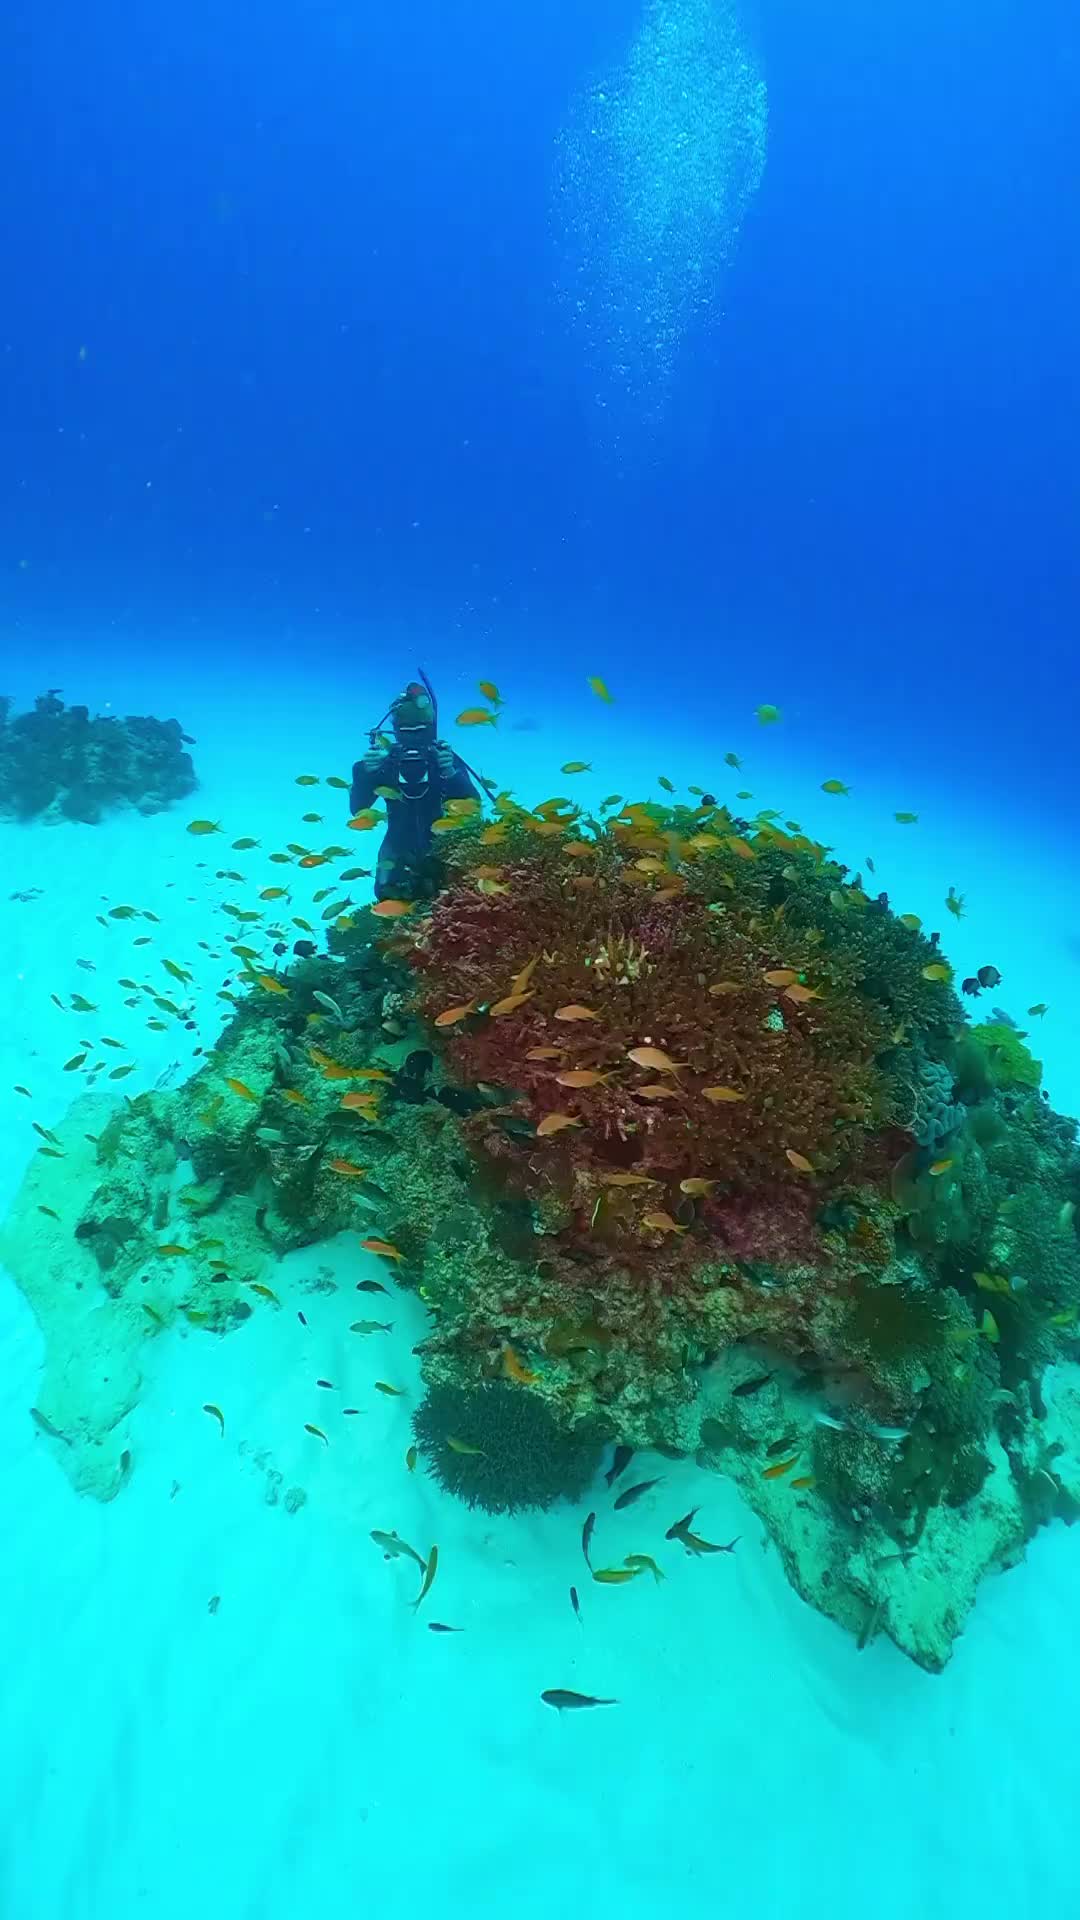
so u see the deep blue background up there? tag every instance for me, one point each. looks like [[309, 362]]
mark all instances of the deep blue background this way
[[306, 248]]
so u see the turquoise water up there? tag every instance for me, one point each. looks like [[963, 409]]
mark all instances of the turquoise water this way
[[219, 1695], [727, 358]]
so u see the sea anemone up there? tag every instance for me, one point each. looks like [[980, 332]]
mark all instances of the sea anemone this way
[[497, 1446]]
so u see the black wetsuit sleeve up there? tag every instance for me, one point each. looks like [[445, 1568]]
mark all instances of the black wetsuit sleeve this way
[[458, 785], [364, 782]]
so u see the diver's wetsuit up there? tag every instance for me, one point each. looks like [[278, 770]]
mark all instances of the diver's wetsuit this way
[[406, 864]]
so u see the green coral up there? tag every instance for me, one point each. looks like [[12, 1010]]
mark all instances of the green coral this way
[[993, 1055]]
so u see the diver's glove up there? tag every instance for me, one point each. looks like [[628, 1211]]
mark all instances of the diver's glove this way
[[444, 758], [373, 758]]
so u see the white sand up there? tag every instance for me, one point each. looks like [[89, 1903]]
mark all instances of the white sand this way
[[312, 1747]]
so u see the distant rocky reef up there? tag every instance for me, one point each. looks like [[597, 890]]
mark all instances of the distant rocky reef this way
[[61, 763]]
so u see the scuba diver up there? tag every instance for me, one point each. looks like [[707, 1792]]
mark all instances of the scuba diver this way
[[424, 773]]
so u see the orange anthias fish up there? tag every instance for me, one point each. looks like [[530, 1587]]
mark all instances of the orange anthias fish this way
[[347, 1167], [799, 1161], [392, 909], [800, 994], [243, 1091], [599, 688], [575, 1012], [521, 979], [661, 1222], [555, 1123], [718, 1095], [510, 1004], [357, 1102], [477, 717], [451, 1015], [270, 983], [384, 1248], [781, 1467], [582, 1077], [655, 1059], [513, 1369]]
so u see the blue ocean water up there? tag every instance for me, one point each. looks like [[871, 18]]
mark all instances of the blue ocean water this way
[[725, 350]]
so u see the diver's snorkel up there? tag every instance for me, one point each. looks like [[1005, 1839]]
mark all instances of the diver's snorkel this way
[[430, 691], [480, 781]]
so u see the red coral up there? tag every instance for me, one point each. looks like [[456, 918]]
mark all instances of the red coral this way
[[662, 969], [778, 1230]]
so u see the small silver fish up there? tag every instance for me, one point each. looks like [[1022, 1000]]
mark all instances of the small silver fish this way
[[331, 1006]]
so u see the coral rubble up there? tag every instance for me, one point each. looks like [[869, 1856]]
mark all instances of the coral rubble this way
[[61, 763]]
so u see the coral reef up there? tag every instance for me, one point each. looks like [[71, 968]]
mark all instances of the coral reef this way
[[684, 1142], [61, 763]]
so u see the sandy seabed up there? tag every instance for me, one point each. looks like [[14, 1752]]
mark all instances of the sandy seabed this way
[[214, 1704]]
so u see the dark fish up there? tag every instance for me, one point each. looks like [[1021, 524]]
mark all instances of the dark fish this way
[[619, 1464], [439, 1626], [989, 977], [674, 1532], [305, 949], [301, 1319], [575, 1604], [461, 1100], [46, 1426], [753, 1386], [870, 1625], [370, 1286], [634, 1493], [325, 1383], [781, 1446], [563, 1699], [213, 1603], [586, 1537], [693, 1542]]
